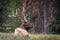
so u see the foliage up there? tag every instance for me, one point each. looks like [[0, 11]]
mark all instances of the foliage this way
[[7, 7], [3, 12], [56, 15], [11, 24], [14, 4]]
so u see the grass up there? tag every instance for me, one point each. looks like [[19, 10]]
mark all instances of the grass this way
[[10, 36]]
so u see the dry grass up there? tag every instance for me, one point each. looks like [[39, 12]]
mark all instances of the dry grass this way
[[10, 36]]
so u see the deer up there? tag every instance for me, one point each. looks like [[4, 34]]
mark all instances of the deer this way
[[21, 32]]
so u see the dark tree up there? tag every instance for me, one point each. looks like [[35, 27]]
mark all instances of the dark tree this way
[[35, 15]]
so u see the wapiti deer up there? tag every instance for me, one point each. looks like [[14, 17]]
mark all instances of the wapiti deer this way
[[21, 32]]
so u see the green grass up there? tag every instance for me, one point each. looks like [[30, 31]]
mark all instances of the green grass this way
[[10, 36]]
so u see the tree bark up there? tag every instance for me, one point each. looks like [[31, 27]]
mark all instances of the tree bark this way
[[35, 15]]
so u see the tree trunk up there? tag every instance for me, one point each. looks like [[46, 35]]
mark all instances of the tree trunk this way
[[35, 15]]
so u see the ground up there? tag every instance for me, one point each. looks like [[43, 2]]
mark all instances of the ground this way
[[10, 36]]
